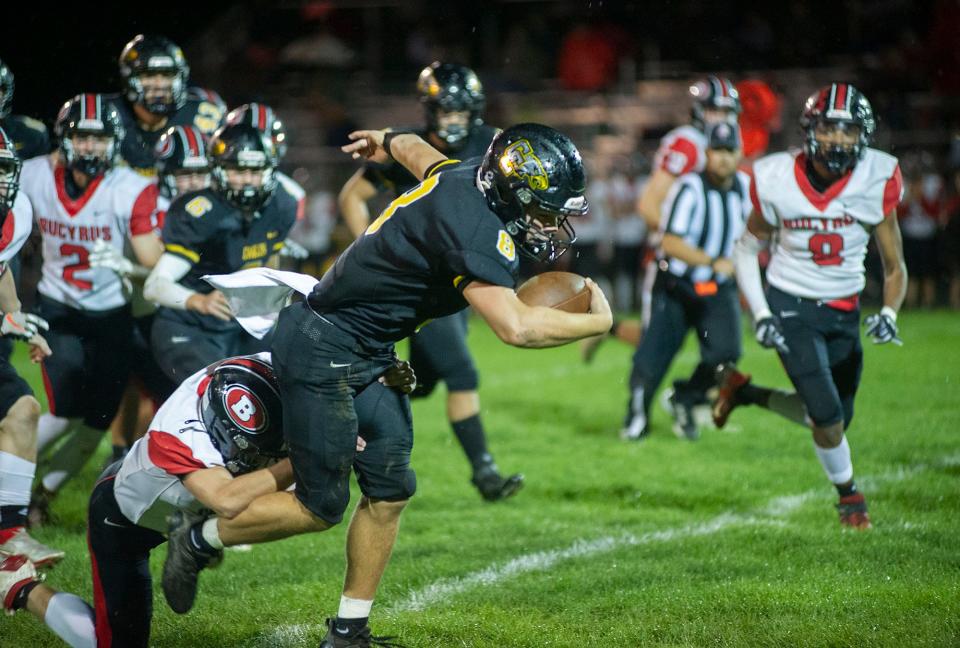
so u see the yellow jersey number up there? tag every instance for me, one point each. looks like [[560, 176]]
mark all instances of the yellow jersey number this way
[[407, 198]]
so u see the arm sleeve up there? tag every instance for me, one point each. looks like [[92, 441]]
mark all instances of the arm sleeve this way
[[747, 264], [162, 285]]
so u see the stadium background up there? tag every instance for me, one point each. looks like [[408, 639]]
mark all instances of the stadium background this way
[[728, 542]]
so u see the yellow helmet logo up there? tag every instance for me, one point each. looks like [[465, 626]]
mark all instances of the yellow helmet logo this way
[[519, 160]]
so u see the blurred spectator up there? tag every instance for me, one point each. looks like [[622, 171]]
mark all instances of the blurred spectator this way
[[629, 231], [919, 221], [951, 240], [592, 250], [761, 115], [590, 55]]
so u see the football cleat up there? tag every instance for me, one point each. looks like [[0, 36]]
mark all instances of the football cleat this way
[[853, 512], [493, 486], [360, 639], [15, 572], [181, 569], [729, 382], [684, 421], [23, 544], [39, 512]]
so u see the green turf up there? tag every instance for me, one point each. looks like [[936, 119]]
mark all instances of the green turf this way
[[730, 541]]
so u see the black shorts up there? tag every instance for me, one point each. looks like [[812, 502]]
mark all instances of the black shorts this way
[[825, 359], [145, 369], [182, 349], [120, 559], [329, 390], [12, 386], [88, 371], [439, 351]]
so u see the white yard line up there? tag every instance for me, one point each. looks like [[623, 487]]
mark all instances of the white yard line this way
[[444, 588]]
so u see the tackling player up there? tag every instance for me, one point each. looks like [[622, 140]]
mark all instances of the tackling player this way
[[819, 207], [215, 444], [451, 241], [18, 408], [240, 221], [78, 197], [453, 101], [155, 97]]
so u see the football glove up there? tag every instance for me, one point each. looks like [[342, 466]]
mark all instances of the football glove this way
[[294, 250], [882, 328], [770, 335], [22, 326], [106, 256]]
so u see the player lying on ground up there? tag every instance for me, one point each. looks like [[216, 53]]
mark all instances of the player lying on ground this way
[[215, 444], [820, 208], [449, 242]]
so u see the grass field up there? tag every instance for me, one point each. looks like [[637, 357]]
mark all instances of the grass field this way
[[730, 541]]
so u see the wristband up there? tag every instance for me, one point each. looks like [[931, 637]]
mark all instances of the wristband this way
[[388, 140], [889, 312]]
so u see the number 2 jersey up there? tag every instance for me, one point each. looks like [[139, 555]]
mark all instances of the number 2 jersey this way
[[821, 238], [113, 207]]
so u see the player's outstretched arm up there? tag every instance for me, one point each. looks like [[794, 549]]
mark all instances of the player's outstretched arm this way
[[406, 148], [890, 245], [536, 326], [353, 203], [228, 496], [163, 288]]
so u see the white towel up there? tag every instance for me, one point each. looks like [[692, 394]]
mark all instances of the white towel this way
[[257, 295]]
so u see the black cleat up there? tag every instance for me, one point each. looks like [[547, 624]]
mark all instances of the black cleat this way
[[493, 486], [181, 569], [360, 639], [684, 423]]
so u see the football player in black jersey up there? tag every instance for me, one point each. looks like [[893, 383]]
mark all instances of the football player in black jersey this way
[[29, 135], [453, 240], [239, 222], [155, 97], [453, 102]]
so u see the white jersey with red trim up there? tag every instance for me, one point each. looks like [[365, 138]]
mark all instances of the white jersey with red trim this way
[[148, 486], [822, 238], [682, 150], [115, 206], [293, 188], [15, 230]]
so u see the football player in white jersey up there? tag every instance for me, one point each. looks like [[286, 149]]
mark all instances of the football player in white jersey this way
[[79, 197], [818, 207], [19, 410], [216, 444]]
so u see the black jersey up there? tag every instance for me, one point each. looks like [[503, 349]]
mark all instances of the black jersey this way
[[393, 177], [137, 146], [413, 262], [29, 135], [216, 238]]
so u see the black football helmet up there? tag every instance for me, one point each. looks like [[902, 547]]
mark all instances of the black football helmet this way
[[446, 87], [533, 178], [9, 174], [6, 89], [717, 93], [843, 104], [89, 114], [180, 149], [241, 410], [154, 55], [264, 119], [241, 146]]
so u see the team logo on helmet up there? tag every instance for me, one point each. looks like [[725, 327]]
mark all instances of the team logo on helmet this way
[[519, 161], [245, 409]]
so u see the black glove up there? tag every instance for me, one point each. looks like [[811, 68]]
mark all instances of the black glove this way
[[882, 329], [770, 335]]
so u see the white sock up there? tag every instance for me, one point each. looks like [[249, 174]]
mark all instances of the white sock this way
[[49, 429], [836, 462], [351, 608], [71, 456], [72, 619], [16, 479], [211, 533]]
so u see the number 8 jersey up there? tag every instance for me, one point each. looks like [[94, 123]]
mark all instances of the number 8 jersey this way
[[821, 238], [113, 206]]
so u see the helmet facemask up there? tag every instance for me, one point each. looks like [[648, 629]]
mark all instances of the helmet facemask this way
[[246, 196], [443, 120], [9, 181], [85, 156], [837, 156], [156, 95]]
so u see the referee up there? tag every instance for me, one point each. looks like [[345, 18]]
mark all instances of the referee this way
[[694, 288]]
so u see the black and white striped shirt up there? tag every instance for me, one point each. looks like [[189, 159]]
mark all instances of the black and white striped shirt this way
[[705, 217]]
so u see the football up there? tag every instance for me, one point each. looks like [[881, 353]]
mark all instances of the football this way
[[563, 290]]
